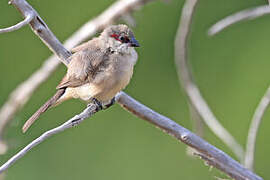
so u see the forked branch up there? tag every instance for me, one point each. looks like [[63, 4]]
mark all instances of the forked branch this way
[[26, 21], [42, 30]]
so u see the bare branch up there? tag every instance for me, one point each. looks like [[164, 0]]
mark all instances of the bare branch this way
[[42, 30], [88, 112], [19, 25], [237, 17], [20, 96], [253, 130], [210, 154], [215, 157], [191, 89]]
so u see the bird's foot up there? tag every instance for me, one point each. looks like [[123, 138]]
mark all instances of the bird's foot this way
[[98, 104], [101, 106], [110, 104]]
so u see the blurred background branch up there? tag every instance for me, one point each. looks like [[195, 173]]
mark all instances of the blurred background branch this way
[[264, 103], [253, 130], [247, 14], [191, 89]]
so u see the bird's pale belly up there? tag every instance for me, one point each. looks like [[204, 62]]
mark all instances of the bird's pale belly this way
[[104, 90]]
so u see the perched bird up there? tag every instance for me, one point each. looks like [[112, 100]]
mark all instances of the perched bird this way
[[98, 70]]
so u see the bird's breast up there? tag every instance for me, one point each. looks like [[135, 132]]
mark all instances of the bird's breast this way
[[109, 81], [113, 83], [116, 77]]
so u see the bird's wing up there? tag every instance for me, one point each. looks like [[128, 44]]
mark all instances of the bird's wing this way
[[83, 45], [83, 66]]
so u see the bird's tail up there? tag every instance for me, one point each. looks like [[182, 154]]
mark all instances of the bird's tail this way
[[43, 108]]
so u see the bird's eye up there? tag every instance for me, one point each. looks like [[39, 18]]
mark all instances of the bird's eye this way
[[122, 38]]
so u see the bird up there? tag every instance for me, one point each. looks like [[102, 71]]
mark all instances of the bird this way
[[98, 70]]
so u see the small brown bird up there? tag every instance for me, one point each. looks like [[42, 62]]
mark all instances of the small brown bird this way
[[98, 69]]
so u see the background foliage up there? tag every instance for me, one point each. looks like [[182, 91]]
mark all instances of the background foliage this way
[[231, 69]]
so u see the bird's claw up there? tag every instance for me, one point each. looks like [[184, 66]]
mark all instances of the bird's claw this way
[[110, 104], [100, 106]]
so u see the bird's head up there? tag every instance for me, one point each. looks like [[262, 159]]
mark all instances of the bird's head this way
[[120, 37]]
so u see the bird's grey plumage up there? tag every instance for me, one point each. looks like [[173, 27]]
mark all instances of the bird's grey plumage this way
[[98, 69]]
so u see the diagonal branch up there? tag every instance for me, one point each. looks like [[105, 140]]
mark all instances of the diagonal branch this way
[[237, 17], [215, 157], [253, 129], [190, 87], [210, 154], [20, 96], [19, 25]]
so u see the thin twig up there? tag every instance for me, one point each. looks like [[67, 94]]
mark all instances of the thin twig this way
[[88, 112], [20, 96], [19, 25], [190, 87], [211, 154], [237, 17], [253, 130]]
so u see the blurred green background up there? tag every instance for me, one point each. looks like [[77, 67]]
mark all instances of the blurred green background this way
[[231, 69]]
